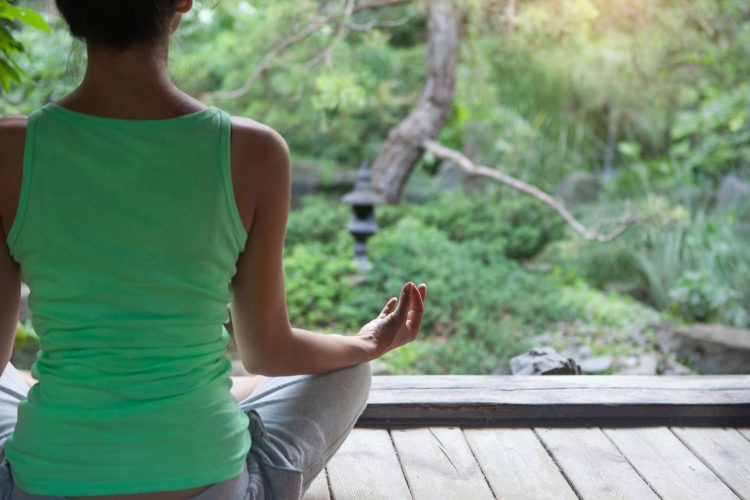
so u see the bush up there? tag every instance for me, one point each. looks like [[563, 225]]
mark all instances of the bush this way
[[698, 269], [319, 286], [697, 297], [317, 220], [517, 227], [481, 304]]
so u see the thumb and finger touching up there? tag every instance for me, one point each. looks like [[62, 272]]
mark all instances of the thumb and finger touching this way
[[408, 308], [388, 307]]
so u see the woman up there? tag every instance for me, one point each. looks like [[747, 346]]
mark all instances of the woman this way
[[135, 213]]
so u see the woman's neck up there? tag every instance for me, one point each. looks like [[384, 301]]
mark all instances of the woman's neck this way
[[130, 83]]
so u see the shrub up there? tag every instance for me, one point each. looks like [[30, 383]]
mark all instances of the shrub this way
[[481, 305], [697, 297], [319, 286], [517, 227], [698, 270], [317, 220]]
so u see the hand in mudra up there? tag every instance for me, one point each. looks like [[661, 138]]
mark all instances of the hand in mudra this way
[[398, 322]]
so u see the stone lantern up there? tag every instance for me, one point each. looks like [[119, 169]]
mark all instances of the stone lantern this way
[[363, 199]]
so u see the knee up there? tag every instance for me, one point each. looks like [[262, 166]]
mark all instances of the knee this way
[[359, 380]]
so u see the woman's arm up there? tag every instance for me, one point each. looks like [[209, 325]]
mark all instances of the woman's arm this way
[[10, 293], [12, 137], [267, 343]]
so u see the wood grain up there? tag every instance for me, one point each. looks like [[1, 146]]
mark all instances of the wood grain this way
[[516, 464], [724, 451], [669, 466], [595, 468], [438, 464], [551, 401], [318, 490], [366, 467]]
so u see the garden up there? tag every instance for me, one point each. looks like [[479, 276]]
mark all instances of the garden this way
[[617, 231]]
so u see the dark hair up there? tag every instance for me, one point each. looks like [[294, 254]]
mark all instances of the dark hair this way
[[117, 23]]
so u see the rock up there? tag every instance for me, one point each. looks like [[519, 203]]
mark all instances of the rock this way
[[597, 364], [629, 362], [543, 361], [646, 364], [732, 192], [674, 367], [578, 188], [713, 349]]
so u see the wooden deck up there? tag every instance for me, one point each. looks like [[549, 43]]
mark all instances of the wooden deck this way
[[462, 437]]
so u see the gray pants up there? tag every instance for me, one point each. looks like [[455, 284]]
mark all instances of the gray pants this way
[[297, 423]]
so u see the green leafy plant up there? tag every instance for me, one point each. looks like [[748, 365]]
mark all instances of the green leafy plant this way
[[10, 47], [482, 305], [319, 284], [697, 297], [698, 268], [316, 220], [516, 227]]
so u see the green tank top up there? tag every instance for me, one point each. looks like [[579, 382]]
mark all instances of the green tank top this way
[[128, 234]]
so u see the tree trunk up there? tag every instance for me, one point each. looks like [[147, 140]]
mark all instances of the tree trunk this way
[[401, 150]]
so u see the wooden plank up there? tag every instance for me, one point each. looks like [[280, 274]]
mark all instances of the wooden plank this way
[[477, 400], [438, 464], [366, 467], [724, 451], [668, 466], [592, 464], [318, 490], [516, 464]]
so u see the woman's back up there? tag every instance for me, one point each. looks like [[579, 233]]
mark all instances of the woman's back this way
[[128, 231], [133, 221]]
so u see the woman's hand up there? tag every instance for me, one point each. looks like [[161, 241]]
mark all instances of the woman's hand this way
[[398, 322]]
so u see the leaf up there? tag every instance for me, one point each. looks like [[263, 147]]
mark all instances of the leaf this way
[[31, 18], [4, 77]]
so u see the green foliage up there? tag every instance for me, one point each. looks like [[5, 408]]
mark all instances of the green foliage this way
[[481, 304], [713, 138], [516, 226], [698, 297], [10, 47], [318, 266], [318, 284], [654, 93], [698, 268], [317, 220]]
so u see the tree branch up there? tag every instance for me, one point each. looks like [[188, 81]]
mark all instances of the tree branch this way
[[279, 47], [298, 36], [342, 31], [471, 168]]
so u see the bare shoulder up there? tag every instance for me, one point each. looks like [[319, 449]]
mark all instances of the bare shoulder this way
[[251, 136], [261, 173], [260, 156]]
